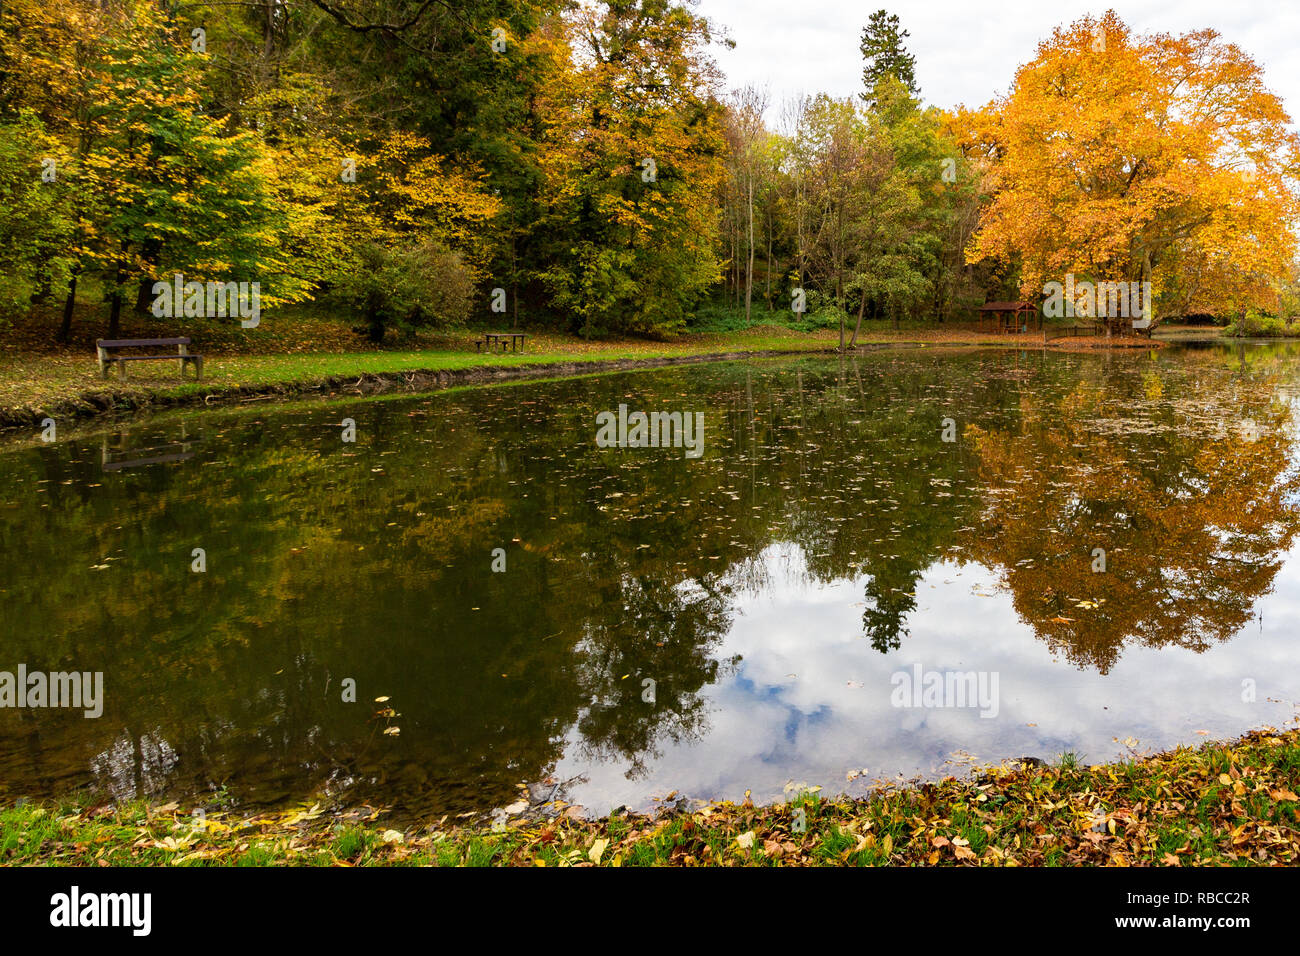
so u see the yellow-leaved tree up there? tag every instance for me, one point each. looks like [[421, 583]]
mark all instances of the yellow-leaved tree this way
[[1127, 158]]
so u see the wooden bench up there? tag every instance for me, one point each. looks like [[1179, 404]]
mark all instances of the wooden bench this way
[[107, 359]]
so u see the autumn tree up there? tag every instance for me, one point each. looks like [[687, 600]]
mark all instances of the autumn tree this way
[[418, 246], [153, 184], [1128, 158], [631, 163], [841, 169], [36, 223], [749, 166]]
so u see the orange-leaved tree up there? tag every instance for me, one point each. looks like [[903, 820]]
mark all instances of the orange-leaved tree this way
[[1128, 158]]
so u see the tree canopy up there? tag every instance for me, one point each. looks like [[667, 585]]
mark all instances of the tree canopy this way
[[582, 166]]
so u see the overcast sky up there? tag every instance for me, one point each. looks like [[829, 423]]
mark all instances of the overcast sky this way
[[967, 51]]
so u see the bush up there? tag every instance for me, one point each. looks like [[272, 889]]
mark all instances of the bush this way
[[425, 285], [826, 317], [1258, 325], [728, 317]]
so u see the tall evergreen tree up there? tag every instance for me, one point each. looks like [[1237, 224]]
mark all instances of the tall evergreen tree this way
[[883, 54]]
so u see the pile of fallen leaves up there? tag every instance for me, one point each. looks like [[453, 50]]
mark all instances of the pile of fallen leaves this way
[[1220, 804]]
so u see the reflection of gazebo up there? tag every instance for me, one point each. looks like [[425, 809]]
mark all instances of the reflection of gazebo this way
[[1010, 316]]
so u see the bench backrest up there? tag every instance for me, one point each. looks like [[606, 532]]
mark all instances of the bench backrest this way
[[126, 343]]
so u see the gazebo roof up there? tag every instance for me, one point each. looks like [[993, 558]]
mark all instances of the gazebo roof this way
[[1006, 306]]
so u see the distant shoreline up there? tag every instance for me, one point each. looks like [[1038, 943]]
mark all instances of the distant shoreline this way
[[254, 378]]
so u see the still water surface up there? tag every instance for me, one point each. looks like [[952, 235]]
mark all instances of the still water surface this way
[[827, 541]]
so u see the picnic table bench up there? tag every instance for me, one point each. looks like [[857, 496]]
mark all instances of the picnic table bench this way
[[108, 357], [499, 338]]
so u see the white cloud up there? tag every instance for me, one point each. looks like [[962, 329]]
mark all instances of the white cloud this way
[[834, 715]]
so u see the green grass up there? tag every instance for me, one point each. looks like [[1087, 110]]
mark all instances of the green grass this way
[[66, 384]]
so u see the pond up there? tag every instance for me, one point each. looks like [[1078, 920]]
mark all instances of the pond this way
[[864, 568]]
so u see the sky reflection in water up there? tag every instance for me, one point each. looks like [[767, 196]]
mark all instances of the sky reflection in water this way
[[827, 539]]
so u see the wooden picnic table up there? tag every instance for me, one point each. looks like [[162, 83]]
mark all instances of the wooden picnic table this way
[[499, 338]]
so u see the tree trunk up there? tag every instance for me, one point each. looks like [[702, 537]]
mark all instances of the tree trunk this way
[[862, 304], [115, 313], [749, 270], [115, 301], [65, 327], [734, 278], [768, 294], [144, 295], [838, 302], [150, 252], [514, 276]]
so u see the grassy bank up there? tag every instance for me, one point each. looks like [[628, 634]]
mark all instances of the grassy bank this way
[[1222, 804], [66, 384]]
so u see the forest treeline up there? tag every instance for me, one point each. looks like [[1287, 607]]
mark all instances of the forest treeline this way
[[581, 165]]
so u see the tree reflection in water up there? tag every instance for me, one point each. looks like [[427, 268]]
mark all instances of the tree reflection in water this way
[[371, 561]]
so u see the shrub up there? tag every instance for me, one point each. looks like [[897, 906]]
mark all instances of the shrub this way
[[1258, 325], [425, 285], [826, 317]]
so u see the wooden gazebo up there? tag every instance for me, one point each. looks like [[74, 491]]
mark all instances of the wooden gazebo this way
[[1011, 317]]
